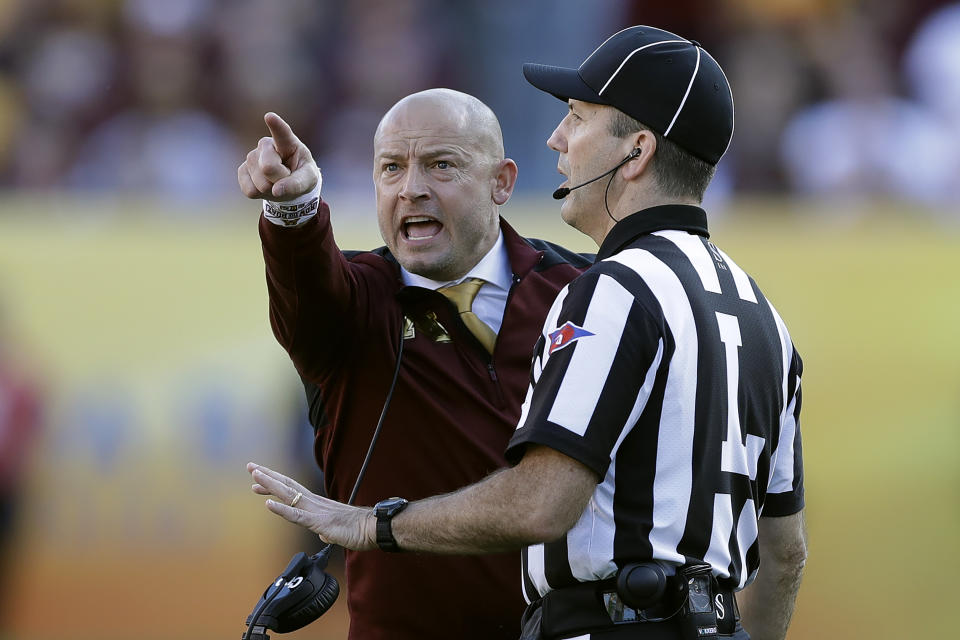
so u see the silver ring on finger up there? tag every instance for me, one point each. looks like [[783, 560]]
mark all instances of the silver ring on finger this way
[[296, 499]]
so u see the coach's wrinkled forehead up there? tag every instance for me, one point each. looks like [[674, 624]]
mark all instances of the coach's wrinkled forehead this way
[[457, 115]]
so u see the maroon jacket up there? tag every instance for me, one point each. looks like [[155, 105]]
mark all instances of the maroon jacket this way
[[454, 408]]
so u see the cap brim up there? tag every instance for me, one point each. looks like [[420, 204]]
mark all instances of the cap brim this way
[[560, 82]]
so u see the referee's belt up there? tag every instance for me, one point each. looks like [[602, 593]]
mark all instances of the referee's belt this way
[[593, 606]]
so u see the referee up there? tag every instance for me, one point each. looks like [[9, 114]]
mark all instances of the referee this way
[[657, 465]]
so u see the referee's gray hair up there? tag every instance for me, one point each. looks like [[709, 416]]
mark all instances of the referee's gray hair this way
[[678, 173]]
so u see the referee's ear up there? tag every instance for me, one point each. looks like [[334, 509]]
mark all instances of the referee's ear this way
[[646, 142]]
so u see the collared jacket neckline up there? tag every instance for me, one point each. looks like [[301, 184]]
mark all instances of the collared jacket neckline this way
[[681, 217]]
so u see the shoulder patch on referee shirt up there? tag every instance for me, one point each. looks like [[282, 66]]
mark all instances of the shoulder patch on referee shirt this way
[[566, 335]]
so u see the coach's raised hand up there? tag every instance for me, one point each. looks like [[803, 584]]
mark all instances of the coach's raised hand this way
[[350, 527], [281, 168]]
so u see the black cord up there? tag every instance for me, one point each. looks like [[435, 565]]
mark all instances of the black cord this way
[[326, 550], [255, 617], [296, 565], [633, 154], [383, 413], [605, 191], [373, 440]]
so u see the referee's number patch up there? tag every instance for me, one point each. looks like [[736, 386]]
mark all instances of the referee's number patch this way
[[566, 335]]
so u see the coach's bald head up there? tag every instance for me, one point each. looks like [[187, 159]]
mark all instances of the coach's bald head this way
[[455, 110], [440, 176]]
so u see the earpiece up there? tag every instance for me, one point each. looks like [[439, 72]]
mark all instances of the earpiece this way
[[319, 590], [325, 596], [305, 593]]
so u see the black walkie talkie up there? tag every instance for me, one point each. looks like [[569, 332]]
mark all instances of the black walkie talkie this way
[[305, 591]]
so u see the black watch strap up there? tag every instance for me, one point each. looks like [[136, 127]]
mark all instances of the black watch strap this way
[[384, 511]]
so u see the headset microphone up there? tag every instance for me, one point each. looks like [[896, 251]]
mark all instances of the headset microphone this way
[[562, 192]]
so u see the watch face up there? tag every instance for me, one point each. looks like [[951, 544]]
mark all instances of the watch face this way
[[390, 506]]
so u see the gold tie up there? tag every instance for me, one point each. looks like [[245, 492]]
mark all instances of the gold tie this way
[[462, 296]]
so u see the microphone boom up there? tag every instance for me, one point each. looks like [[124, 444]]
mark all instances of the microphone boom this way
[[563, 192]]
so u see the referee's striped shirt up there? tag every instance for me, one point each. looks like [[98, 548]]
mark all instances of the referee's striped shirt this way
[[664, 369]]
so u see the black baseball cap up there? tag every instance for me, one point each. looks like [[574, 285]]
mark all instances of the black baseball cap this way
[[667, 82]]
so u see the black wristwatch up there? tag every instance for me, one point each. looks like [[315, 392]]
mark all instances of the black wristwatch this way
[[385, 510]]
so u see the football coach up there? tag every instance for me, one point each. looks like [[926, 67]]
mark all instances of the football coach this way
[[428, 337], [657, 472]]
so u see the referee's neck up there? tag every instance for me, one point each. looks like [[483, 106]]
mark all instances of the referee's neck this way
[[629, 206]]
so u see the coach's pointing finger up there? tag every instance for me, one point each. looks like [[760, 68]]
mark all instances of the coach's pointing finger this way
[[293, 154], [286, 142]]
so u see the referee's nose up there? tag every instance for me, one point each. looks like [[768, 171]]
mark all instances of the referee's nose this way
[[558, 139]]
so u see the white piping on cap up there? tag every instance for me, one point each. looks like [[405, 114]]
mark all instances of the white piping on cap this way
[[603, 43], [733, 112], [696, 68], [629, 55]]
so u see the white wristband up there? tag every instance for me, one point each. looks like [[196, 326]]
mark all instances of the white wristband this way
[[294, 212]]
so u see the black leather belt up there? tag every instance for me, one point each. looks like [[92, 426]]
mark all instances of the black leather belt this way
[[593, 606]]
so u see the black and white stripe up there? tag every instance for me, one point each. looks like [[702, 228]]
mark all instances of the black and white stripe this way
[[681, 334]]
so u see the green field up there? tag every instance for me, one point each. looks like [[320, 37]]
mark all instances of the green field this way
[[873, 305]]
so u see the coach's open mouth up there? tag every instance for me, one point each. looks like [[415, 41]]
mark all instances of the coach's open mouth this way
[[420, 228]]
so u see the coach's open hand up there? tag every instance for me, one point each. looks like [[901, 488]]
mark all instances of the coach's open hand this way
[[350, 527], [281, 168]]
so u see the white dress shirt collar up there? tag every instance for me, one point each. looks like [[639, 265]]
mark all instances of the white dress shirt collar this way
[[494, 267], [491, 300]]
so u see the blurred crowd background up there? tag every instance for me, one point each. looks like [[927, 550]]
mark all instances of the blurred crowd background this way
[[138, 373], [835, 98]]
